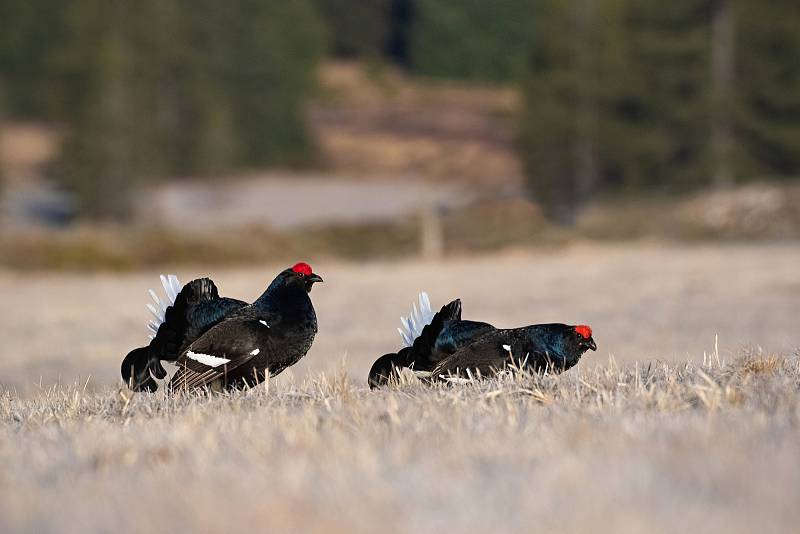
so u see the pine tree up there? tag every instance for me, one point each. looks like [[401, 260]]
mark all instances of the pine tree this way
[[176, 87], [576, 69], [2, 123], [768, 84], [357, 28], [271, 49], [723, 54], [32, 33], [670, 45], [471, 39], [110, 104], [617, 96]]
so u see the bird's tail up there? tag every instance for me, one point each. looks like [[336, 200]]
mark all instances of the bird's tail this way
[[173, 331], [411, 326], [160, 304], [139, 367], [387, 366], [168, 331], [419, 354]]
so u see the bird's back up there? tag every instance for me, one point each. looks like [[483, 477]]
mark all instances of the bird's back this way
[[534, 347], [197, 308], [458, 334], [205, 314]]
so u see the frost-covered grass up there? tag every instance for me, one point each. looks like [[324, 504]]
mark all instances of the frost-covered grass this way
[[633, 448]]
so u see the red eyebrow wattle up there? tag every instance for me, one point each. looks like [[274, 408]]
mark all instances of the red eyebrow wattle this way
[[303, 268], [584, 331]]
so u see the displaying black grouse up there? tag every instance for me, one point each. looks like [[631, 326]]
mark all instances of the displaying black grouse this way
[[226, 342], [444, 345], [267, 336]]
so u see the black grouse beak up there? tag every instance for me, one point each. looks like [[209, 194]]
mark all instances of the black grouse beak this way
[[591, 344], [313, 278]]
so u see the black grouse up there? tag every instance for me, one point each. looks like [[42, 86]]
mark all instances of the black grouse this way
[[442, 345], [227, 342]]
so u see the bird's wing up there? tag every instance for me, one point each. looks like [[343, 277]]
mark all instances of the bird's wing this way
[[206, 313], [222, 352], [485, 356]]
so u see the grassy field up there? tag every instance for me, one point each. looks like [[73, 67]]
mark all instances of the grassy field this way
[[644, 302], [657, 448], [686, 419]]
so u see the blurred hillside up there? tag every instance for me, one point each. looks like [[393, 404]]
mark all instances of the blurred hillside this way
[[138, 134]]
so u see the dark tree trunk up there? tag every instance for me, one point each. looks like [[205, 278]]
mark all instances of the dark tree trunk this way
[[722, 92], [586, 109]]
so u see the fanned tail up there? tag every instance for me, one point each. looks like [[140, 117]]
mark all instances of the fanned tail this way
[[385, 367], [421, 351], [168, 329], [411, 326], [172, 287], [425, 327], [139, 367]]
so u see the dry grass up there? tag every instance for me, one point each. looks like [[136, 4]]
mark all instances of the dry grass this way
[[659, 448], [644, 302], [87, 248], [648, 444]]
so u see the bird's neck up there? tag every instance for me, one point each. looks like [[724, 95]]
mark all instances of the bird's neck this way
[[541, 336], [284, 299]]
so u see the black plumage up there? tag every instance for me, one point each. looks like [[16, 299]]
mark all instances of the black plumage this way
[[449, 345], [262, 338], [190, 325]]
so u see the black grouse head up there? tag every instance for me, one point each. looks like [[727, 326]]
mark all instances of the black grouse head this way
[[579, 340], [565, 344], [300, 275]]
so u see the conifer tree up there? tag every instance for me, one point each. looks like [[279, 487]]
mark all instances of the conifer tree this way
[[768, 87], [471, 39], [173, 87]]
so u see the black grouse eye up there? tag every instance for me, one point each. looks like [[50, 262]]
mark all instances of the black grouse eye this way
[[301, 275]]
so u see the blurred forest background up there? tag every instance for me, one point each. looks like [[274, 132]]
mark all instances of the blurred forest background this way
[[137, 133]]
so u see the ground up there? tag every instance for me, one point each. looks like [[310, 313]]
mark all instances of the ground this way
[[687, 417], [663, 448], [644, 302]]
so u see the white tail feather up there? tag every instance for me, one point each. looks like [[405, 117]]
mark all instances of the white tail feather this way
[[157, 313], [175, 285], [167, 290], [159, 305], [411, 326]]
